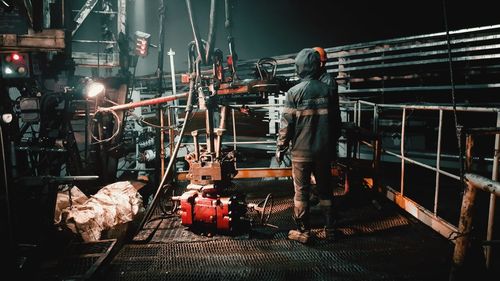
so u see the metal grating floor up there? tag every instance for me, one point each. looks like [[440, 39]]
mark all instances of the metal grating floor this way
[[374, 244], [82, 259]]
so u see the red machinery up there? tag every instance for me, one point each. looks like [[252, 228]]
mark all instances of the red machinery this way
[[202, 211], [208, 204]]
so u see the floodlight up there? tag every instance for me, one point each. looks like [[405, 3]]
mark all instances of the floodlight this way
[[94, 88]]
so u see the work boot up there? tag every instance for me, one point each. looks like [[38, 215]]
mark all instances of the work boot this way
[[329, 219], [302, 233]]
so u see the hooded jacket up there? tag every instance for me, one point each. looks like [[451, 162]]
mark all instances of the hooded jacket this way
[[310, 121]]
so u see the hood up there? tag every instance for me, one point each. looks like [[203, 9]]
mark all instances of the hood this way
[[307, 64]]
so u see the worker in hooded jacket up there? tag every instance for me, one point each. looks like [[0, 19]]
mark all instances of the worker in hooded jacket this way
[[310, 127]]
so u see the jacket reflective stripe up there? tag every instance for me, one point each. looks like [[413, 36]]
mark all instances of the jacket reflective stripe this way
[[320, 102], [289, 110], [309, 112]]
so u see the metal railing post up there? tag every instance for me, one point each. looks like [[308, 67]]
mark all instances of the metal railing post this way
[[465, 221], [357, 146], [474, 182], [491, 212], [171, 134], [403, 124], [377, 150], [359, 114], [464, 228], [438, 161], [375, 118], [376, 164], [469, 145], [161, 146], [355, 113], [234, 134]]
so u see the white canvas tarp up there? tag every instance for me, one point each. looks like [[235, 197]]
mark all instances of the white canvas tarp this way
[[113, 204]]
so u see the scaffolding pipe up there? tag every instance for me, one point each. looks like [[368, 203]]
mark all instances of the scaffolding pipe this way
[[194, 134], [483, 183], [403, 125], [161, 156], [376, 164], [236, 143], [409, 160], [464, 228], [492, 207], [434, 107], [438, 161], [171, 54], [473, 182], [234, 131], [171, 133]]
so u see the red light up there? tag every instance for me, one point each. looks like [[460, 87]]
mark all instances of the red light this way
[[16, 57]]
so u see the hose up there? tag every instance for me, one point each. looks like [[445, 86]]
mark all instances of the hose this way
[[211, 31], [7, 197], [197, 41], [452, 82], [189, 109]]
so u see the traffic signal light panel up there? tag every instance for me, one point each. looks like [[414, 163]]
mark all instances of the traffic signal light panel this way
[[15, 65], [141, 43]]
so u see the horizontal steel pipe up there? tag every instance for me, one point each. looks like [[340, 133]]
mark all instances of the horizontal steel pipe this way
[[483, 183], [144, 102]]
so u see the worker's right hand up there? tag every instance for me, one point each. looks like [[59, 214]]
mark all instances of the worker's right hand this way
[[280, 154]]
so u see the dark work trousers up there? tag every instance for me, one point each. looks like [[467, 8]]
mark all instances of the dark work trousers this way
[[301, 173]]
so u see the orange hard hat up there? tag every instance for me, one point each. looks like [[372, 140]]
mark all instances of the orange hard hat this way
[[322, 54]]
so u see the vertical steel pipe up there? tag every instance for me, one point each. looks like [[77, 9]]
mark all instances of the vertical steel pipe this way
[[159, 145], [376, 164], [466, 212], [438, 161], [171, 54], [194, 134], [491, 212], [234, 133], [220, 131], [359, 114], [403, 125], [161, 153], [171, 135], [209, 124], [469, 145], [355, 113], [464, 228]]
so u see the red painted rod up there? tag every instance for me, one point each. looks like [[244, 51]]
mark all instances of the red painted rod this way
[[144, 102]]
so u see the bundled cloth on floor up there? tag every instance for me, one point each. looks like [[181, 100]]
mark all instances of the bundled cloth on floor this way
[[113, 204]]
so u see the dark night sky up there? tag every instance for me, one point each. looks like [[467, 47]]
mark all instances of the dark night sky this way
[[275, 27]]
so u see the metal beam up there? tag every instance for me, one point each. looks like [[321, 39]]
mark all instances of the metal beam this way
[[46, 14], [96, 60], [122, 17], [252, 173], [83, 13], [47, 40], [440, 225], [483, 183]]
